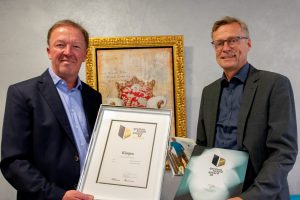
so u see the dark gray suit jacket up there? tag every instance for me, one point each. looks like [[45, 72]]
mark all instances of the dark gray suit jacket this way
[[39, 155], [266, 130]]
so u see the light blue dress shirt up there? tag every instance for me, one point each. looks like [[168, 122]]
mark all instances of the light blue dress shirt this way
[[72, 101]]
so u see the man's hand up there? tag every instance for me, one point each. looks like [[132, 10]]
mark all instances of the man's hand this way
[[76, 195], [235, 198]]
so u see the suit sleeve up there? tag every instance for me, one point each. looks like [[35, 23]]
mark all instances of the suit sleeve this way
[[17, 162], [281, 144]]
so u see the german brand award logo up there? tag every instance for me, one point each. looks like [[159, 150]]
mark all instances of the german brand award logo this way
[[218, 162], [125, 132]]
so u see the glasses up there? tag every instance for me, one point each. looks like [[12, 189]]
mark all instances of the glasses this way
[[232, 41]]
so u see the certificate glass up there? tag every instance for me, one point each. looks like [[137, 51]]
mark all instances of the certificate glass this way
[[126, 156]]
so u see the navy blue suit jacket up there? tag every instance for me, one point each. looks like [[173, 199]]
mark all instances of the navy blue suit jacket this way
[[39, 155], [266, 130]]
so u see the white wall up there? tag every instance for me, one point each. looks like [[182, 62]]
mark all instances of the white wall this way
[[274, 28]]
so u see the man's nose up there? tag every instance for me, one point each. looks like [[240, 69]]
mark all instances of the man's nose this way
[[226, 46], [68, 50]]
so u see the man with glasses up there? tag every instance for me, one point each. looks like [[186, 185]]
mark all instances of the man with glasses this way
[[250, 110]]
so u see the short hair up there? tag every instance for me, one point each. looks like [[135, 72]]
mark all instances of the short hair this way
[[67, 22], [229, 20]]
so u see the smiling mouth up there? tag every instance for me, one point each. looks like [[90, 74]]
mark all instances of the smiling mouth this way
[[228, 57], [68, 61]]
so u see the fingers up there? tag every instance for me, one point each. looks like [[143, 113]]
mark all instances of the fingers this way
[[86, 197], [76, 195], [90, 197]]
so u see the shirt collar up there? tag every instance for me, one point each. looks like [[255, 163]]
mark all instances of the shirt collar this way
[[56, 79], [241, 75]]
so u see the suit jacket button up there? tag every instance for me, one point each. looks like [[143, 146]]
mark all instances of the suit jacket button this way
[[76, 158]]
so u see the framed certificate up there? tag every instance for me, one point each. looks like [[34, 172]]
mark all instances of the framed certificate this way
[[126, 156]]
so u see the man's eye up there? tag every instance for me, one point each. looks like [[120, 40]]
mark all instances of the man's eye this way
[[233, 40], [59, 45], [219, 43]]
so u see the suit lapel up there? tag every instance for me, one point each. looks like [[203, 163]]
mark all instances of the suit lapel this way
[[248, 97], [48, 90], [212, 105]]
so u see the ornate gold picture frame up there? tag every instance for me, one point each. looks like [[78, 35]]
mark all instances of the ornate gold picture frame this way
[[141, 71]]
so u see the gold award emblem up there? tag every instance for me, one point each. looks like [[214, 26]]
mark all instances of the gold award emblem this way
[[218, 161], [124, 132]]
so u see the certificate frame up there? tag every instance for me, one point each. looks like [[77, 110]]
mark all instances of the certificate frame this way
[[154, 63], [126, 155]]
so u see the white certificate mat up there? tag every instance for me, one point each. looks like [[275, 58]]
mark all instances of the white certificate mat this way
[[126, 157], [127, 154]]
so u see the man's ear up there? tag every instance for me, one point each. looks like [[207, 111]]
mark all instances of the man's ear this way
[[249, 43], [86, 51], [48, 52]]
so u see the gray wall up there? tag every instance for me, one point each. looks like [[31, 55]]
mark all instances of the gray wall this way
[[274, 27]]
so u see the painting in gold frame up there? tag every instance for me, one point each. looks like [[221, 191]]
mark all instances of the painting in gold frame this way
[[140, 71]]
